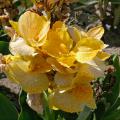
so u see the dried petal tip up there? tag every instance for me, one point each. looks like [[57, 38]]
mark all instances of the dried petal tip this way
[[35, 102]]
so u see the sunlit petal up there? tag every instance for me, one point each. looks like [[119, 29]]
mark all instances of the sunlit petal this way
[[58, 43], [96, 32], [87, 48], [32, 26], [103, 55]]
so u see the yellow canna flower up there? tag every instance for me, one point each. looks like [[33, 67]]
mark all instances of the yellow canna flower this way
[[31, 81], [75, 56], [32, 28]]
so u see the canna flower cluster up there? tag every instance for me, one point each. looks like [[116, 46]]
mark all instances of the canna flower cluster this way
[[60, 58]]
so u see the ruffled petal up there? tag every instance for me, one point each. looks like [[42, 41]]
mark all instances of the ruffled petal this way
[[60, 68], [84, 75], [97, 67], [64, 81], [67, 60], [58, 41], [87, 48], [31, 82], [39, 63], [73, 100]]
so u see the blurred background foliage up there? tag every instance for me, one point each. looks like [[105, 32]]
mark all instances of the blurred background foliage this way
[[85, 14]]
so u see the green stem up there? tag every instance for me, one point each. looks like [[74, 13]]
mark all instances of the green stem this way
[[48, 113]]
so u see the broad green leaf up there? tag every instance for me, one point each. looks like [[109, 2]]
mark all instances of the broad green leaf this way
[[99, 112], [85, 114], [7, 109], [26, 112], [4, 47]]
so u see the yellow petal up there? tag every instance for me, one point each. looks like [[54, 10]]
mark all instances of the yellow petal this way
[[59, 25], [84, 75], [31, 82], [87, 48], [39, 63], [83, 57], [18, 60], [14, 26], [61, 69], [58, 43], [75, 34], [90, 42], [63, 81], [97, 67], [55, 65], [103, 55], [67, 60], [96, 32], [73, 100], [32, 26]]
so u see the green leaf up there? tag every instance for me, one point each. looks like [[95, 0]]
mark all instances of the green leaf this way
[[4, 47], [85, 114], [60, 118], [7, 109], [48, 114], [26, 112], [115, 1], [88, 2], [115, 115], [113, 112]]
